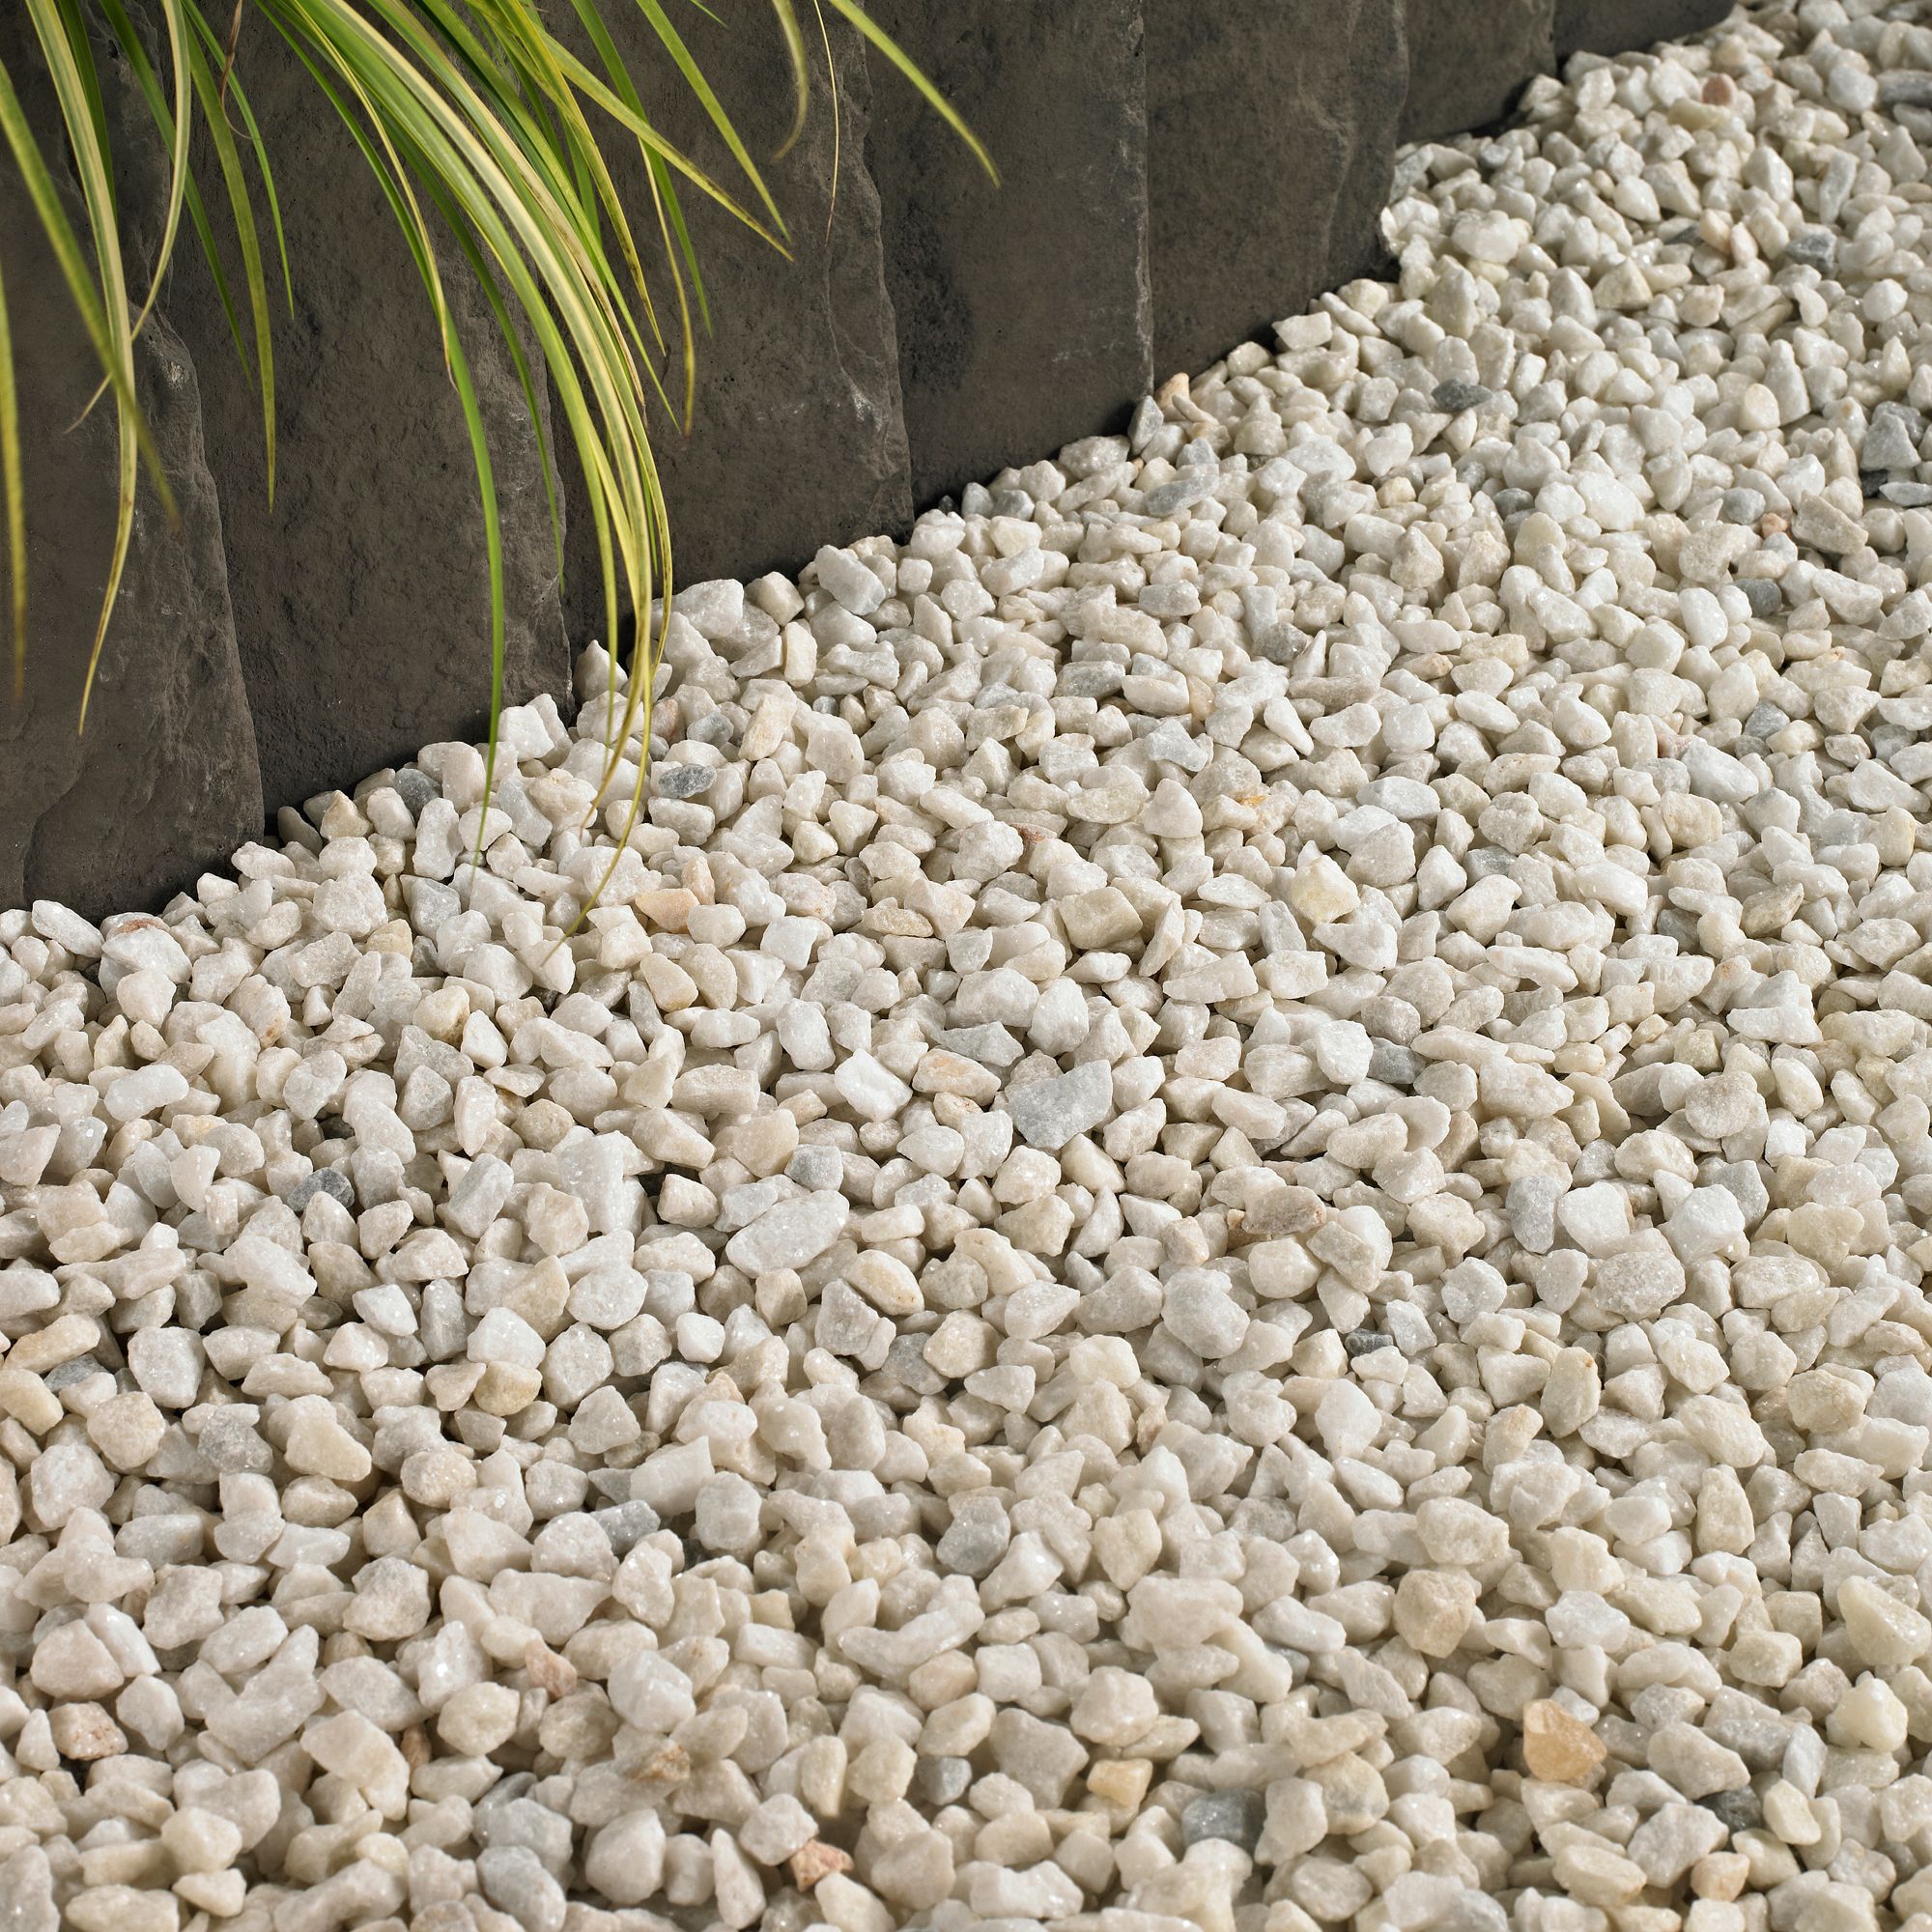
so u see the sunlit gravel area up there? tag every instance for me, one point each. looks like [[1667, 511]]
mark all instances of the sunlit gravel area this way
[[1220, 1225]]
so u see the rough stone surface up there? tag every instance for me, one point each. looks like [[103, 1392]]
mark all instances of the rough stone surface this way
[[1618, 26], [1467, 63], [163, 782], [1300, 100], [1024, 313], [798, 435], [361, 594]]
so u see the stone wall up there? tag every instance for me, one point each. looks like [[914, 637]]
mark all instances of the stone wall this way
[[1177, 174], [1024, 312], [165, 780], [361, 601]]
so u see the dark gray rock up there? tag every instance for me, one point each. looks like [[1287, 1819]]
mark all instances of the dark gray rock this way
[[1024, 315], [1616, 26], [1740, 1810], [798, 438], [361, 595], [1236, 1816], [681, 780], [1454, 395], [1467, 63], [1271, 132], [164, 785], [1905, 89], [329, 1180], [415, 788], [1813, 248]]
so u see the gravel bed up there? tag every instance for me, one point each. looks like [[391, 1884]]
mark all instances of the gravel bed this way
[[1222, 1228]]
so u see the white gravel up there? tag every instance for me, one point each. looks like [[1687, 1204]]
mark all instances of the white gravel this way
[[1223, 1227]]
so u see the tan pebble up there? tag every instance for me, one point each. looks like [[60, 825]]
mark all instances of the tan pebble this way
[[87, 1732], [1432, 1608], [1558, 1748], [670, 1765], [549, 1672], [507, 1388], [1720, 1875], [814, 1860]]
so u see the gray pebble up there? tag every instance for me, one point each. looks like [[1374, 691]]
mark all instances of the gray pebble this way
[[906, 1367], [1456, 396], [1891, 439], [816, 1168], [1238, 1816], [1741, 506], [1738, 1811], [1814, 248], [1762, 594], [977, 1539], [1180, 494], [1392, 1065], [626, 1523], [1907, 89], [415, 788], [329, 1180], [682, 780], [943, 1780]]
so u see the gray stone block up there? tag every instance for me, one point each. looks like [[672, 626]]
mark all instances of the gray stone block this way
[[1271, 133], [163, 784], [798, 436], [1025, 318], [361, 595], [1617, 26], [1469, 58]]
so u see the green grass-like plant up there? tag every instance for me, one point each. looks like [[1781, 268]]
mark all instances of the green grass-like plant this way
[[469, 112]]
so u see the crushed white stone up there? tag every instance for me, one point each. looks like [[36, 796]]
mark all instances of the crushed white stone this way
[[1223, 1225]]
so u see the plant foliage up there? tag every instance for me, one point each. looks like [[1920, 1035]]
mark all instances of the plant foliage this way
[[471, 114]]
